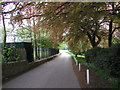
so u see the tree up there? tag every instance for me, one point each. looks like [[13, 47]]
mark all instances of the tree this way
[[4, 39], [24, 34], [77, 18], [114, 17], [76, 21]]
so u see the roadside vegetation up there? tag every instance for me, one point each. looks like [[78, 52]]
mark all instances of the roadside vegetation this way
[[104, 62]]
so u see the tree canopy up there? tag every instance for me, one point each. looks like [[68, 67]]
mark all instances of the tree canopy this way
[[82, 25]]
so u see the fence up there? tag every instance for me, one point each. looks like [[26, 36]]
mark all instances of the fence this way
[[18, 51], [43, 52], [15, 68], [25, 51]]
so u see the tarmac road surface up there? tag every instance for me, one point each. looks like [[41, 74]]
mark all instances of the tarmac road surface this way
[[57, 73]]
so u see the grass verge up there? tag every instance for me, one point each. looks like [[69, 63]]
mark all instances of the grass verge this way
[[100, 72]]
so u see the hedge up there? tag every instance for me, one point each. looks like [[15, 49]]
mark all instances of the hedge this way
[[107, 59]]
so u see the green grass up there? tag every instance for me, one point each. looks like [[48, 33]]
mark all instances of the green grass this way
[[100, 72], [81, 56], [70, 53]]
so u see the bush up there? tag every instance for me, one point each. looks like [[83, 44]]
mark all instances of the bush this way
[[107, 59], [90, 55], [9, 55]]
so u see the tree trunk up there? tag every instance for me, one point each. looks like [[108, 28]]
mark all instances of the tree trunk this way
[[110, 34], [35, 45], [4, 39], [111, 28], [35, 42], [92, 40]]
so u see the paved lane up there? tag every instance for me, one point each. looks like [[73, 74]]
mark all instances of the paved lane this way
[[57, 73]]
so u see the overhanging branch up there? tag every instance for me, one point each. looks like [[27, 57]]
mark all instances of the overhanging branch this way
[[115, 29], [32, 16], [17, 8]]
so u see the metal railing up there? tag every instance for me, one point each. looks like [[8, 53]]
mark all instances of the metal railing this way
[[25, 51], [44, 52]]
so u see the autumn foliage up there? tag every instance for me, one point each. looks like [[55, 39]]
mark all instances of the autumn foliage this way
[[82, 25]]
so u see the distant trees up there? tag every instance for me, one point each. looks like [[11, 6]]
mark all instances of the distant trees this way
[[24, 34]]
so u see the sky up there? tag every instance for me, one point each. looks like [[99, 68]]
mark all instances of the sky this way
[[10, 35], [7, 8]]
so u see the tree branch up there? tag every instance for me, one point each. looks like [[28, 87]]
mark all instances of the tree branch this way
[[32, 16], [11, 10], [115, 29], [99, 39], [89, 36], [62, 5], [17, 8]]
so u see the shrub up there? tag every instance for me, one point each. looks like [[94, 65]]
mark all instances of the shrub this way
[[90, 55], [107, 59], [9, 55]]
